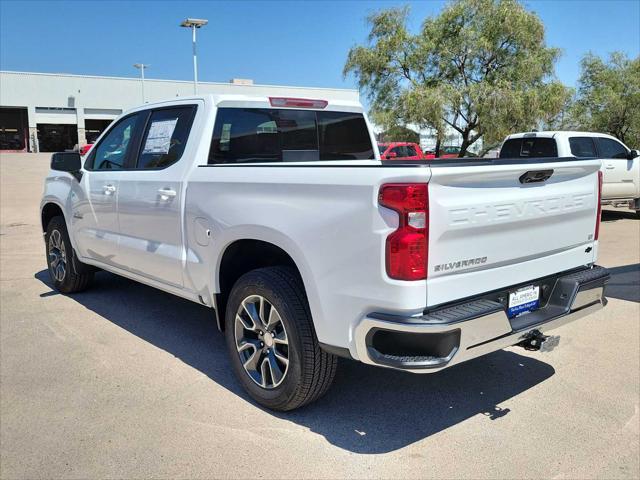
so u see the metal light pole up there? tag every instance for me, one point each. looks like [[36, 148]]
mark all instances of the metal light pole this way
[[193, 24], [141, 67]]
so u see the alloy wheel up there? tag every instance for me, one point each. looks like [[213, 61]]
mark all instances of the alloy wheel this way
[[57, 256], [261, 341]]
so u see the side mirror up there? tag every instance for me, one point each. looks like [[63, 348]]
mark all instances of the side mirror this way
[[67, 162], [633, 154], [392, 155]]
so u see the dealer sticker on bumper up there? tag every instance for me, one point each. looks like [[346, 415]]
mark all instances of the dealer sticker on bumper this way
[[524, 300]]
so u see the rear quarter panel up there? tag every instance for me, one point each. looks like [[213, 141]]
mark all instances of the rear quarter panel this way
[[325, 217]]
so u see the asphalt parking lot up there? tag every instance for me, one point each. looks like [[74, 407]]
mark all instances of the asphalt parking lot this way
[[124, 381]]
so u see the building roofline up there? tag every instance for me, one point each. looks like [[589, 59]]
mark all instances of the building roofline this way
[[146, 79]]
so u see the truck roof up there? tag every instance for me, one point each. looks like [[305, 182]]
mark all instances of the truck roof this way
[[258, 101], [557, 134]]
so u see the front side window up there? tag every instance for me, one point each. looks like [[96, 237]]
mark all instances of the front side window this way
[[165, 137], [112, 151], [582, 147], [254, 135], [611, 149]]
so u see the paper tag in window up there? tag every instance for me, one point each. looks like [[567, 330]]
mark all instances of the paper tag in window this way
[[159, 136]]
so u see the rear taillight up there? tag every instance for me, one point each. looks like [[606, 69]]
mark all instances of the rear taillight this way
[[599, 209], [297, 102], [406, 250]]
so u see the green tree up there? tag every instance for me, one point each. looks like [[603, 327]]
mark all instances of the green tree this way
[[398, 133], [608, 97], [481, 67]]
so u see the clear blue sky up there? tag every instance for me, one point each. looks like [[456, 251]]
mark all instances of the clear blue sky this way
[[291, 43]]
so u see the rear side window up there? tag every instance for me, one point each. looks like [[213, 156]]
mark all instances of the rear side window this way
[[533, 147], [165, 137], [252, 135], [343, 136], [611, 149], [582, 147], [411, 151]]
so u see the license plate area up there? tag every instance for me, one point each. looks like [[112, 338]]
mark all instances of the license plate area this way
[[523, 300]]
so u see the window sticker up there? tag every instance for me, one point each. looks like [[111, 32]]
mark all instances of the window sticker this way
[[159, 136]]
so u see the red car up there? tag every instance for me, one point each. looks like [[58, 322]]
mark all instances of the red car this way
[[84, 149], [449, 151], [400, 151]]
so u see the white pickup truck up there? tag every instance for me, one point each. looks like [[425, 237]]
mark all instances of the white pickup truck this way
[[278, 214], [620, 164]]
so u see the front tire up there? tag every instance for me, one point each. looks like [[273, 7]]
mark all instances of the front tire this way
[[272, 343], [67, 273]]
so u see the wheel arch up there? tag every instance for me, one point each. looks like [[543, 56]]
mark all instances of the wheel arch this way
[[48, 211], [240, 257]]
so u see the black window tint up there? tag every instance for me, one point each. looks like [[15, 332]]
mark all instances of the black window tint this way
[[399, 151], [271, 135], [343, 136], [112, 151], [411, 151], [582, 147], [529, 147], [511, 148], [611, 149], [165, 137], [244, 135]]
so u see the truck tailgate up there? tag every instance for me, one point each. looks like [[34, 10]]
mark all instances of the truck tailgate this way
[[488, 230]]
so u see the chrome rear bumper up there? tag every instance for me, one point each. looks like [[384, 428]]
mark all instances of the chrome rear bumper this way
[[451, 335]]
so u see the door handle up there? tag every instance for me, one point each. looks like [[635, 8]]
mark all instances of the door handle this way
[[109, 189], [610, 167], [166, 193]]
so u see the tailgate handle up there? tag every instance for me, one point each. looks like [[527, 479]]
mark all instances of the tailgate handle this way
[[534, 176]]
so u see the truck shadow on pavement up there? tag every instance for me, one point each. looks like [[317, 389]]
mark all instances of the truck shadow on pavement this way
[[368, 410], [625, 283]]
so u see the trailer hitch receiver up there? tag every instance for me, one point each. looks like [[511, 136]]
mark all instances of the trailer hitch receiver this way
[[536, 341]]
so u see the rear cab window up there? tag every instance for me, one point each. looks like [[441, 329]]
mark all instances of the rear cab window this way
[[533, 147], [256, 135]]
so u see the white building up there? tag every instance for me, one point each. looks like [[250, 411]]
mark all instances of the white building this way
[[54, 112]]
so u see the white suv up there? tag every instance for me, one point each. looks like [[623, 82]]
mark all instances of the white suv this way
[[620, 164]]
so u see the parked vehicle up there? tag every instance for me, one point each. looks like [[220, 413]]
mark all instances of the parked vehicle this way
[[85, 148], [620, 164], [279, 215], [449, 151], [400, 151], [429, 154]]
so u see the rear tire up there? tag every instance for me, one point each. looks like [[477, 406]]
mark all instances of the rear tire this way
[[67, 273], [272, 343]]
